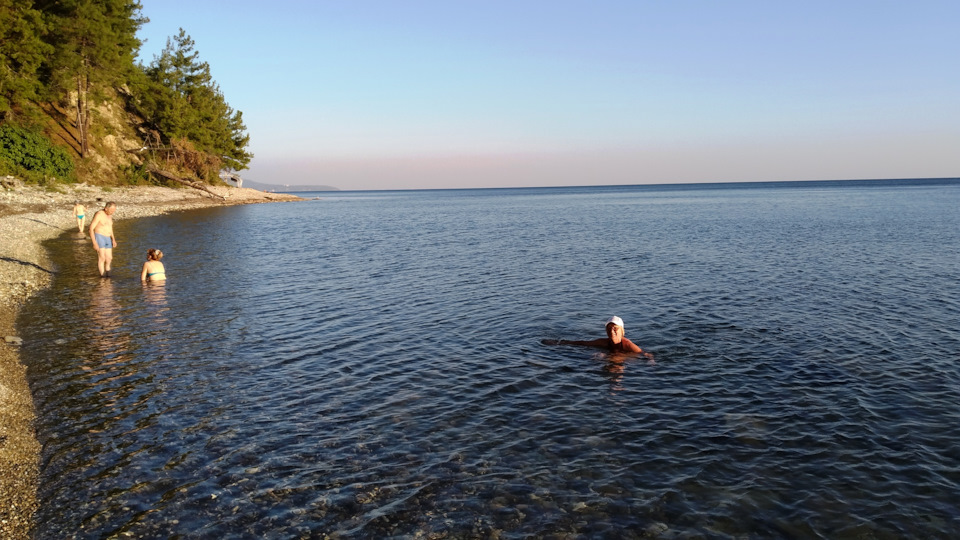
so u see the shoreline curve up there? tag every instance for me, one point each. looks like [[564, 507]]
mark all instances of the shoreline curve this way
[[29, 215]]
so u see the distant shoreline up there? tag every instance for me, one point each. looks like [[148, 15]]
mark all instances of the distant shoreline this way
[[271, 188], [29, 215], [936, 181]]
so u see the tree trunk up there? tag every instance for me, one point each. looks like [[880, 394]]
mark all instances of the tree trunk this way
[[86, 118], [80, 115], [83, 116], [187, 182]]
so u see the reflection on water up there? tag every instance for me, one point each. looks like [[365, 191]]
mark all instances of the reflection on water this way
[[379, 372], [156, 310], [105, 322], [616, 364]]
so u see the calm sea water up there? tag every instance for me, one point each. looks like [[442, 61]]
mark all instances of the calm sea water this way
[[369, 365]]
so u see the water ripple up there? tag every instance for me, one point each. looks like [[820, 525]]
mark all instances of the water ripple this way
[[379, 372]]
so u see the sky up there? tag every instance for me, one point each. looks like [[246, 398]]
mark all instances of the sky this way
[[417, 94]]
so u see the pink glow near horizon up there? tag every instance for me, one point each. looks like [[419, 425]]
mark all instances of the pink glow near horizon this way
[[732, 162], [379, 94]]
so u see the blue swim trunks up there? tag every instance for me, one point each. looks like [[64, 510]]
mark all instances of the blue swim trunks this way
[[103, 241]]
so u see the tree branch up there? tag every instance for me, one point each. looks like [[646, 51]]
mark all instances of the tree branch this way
[[185, 181]]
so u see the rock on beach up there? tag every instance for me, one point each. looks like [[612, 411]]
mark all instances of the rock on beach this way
[[30, 215]]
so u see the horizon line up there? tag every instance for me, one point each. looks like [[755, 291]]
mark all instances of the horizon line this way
[[946, 179]]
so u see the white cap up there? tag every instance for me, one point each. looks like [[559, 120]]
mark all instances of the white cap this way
[[615, 320]]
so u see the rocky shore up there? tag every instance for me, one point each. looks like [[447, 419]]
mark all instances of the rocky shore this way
[[28, 216]]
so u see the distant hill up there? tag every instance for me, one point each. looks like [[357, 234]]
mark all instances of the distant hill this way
[[285, 188]]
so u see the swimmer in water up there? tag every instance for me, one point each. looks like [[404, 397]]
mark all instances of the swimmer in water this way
[[153, 269], [614, 342]]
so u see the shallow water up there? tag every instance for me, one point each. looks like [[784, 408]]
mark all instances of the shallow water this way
[[369, 364]]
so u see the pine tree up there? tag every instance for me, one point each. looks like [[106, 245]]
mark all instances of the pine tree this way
[[180, 100], [95, 43], [22, 52]]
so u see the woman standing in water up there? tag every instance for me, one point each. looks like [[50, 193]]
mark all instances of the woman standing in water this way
[[80, 212], [152, 268]]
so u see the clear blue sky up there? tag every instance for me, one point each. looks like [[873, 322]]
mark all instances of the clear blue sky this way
[[364, 94]]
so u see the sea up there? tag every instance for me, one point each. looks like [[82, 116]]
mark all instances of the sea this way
[[373, 365]]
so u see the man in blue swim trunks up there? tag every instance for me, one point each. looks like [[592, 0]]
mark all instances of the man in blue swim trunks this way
[[101, 233]]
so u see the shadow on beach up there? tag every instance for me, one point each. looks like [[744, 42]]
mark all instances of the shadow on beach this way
[[47, 224], [25, 263]]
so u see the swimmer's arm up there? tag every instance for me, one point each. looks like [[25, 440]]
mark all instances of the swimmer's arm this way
[[633, 347], [591, 343], [143, 273]]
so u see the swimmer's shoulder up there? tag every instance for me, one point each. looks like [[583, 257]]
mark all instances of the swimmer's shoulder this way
[[631, 346]]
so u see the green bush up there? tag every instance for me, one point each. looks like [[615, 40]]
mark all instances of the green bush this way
[[33, 156]]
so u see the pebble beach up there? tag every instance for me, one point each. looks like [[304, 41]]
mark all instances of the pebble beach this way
[[29, 215]]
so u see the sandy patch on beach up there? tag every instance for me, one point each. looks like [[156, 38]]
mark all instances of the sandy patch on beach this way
[[29, 216]]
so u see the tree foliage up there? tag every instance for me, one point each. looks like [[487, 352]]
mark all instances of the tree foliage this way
[[22, 53], [95, 45], [76, 53], [181, 101]]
